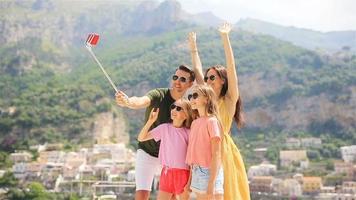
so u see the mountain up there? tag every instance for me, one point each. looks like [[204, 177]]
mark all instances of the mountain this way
[[331, 41], [205, 19], [51, 90]]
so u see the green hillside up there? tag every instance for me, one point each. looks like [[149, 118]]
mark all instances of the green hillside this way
[[51, 90]]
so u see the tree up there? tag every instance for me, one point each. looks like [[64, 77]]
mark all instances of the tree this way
[[15, 194], [8, 180], [313, 155], [37, 191]]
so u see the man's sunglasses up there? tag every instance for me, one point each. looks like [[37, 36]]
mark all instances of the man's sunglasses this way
[[211, 77], [178, 108], [181, 79], [194, 96]]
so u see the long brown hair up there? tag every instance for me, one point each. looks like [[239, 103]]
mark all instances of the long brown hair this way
[[222, 73]]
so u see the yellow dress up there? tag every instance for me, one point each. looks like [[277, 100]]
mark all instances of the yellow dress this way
[[235, 179]]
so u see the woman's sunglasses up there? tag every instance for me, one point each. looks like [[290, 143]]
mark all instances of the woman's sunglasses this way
[[211, 77], [178, 108], [194, 96], [181, 79]]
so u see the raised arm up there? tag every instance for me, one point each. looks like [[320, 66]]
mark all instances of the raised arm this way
[[233, 91], [132, 102], [197, 66], [144, 133]]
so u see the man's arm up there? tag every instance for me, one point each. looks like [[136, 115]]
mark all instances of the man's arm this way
[[132, 102]]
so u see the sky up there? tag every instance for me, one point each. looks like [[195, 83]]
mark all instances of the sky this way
[[320, 15]]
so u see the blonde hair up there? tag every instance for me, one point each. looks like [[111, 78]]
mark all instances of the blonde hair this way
[[211, 106], [187, 109]]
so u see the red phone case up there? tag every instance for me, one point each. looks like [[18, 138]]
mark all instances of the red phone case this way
[[93, 39]]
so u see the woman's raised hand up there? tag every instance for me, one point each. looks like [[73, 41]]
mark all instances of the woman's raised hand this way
[[225, 28], [192, 41]]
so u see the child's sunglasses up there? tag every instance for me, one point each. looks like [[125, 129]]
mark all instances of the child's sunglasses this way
[[178, 108], [194, 96]]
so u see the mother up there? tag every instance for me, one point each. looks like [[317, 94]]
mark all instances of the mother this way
[[225, 84]]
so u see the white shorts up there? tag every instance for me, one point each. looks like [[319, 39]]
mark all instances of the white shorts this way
[[146, 168]]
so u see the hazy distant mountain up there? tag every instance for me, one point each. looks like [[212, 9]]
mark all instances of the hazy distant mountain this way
[[302, 37], [50, 89], [205, 19]]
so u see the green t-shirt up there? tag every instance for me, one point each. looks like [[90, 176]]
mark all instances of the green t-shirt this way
[[160, 98]]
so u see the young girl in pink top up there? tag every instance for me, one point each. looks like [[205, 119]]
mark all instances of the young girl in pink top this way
[[204, 148], [172, 153]]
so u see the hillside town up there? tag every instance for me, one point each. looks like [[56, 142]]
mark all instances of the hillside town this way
[[108, 168]]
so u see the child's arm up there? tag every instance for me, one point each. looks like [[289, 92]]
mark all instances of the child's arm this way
[[145, 134], [187, 186], [215, 163]]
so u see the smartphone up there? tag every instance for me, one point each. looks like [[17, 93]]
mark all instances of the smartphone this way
[[92, 39]]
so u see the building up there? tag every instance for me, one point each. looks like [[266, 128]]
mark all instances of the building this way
[[349, 187], [291, 187], [292, 143], [54, 147], [86, 171], [260, 153], [51, 156], [73, 159], [290, 157], [261, 184], [328, 189], [287, 187], [311, 142], [261, 170], [33, 171], [346, 169], [348, 153], [118, 153], [20, 157], [19, 170], [340, 196], [311, 185]]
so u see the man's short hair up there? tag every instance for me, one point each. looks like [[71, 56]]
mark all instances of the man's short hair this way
[[185, 68]]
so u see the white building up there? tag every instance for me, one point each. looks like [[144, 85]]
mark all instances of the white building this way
[[340, 196], [311, 142], [348, 153], [304, 164], [261, 170], [287, 187], [119, 153], [349, 187], [19, 170], [292, 143], [291, 187]]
